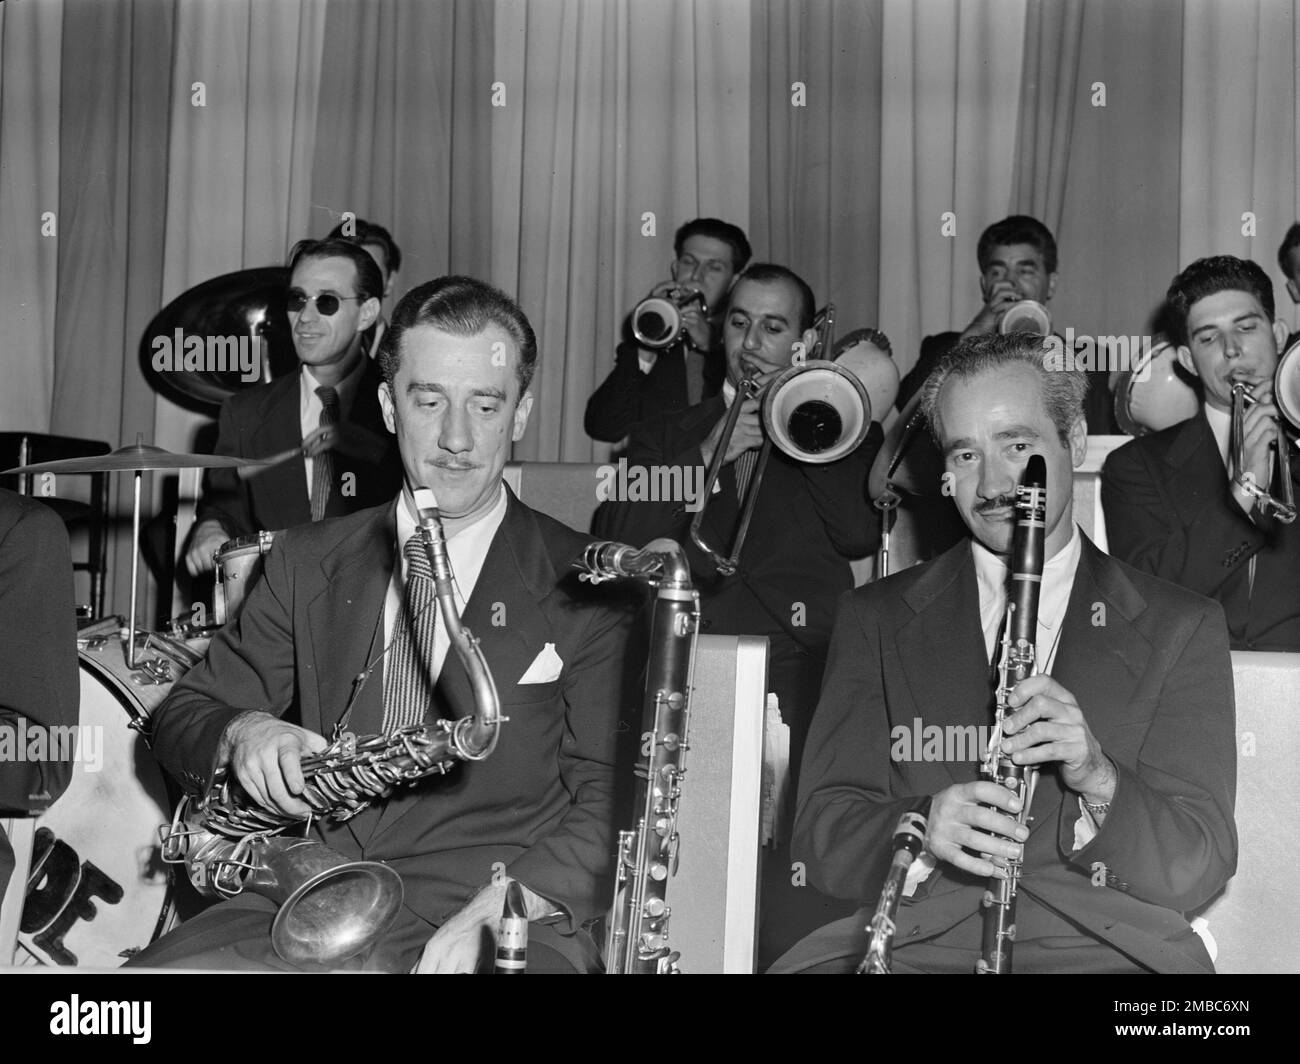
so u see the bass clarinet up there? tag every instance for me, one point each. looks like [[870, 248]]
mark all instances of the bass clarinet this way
[[909, 840], [647, 855], [1018, 662]]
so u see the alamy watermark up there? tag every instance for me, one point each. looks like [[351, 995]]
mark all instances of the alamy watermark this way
[[179, 353], [654, 483], [59, 742], [931, 742], [1098, 353]]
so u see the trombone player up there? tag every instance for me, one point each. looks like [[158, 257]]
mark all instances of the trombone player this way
[[1185, 503], [808, 521]]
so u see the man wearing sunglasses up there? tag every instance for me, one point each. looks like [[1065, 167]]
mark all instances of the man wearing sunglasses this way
[[324, 421]]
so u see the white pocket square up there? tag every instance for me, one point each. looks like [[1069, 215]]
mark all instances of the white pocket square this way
[[546, 667]]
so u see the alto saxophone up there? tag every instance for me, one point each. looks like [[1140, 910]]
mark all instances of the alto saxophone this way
[[229, 843], [1018, 662], [647, 855]]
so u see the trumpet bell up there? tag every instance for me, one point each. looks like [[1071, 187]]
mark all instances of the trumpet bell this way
[[1027, 316], [817, 412], [656, 322], [1151, 396]]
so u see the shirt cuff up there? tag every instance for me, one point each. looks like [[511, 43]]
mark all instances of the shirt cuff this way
[[918, 873], [1085, 828], [646, 364]]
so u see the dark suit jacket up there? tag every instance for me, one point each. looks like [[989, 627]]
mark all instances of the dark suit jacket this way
[[1148, 663], [264, 421], [39, 676], [628, 396], [1169, 511], [808, 522], [540, 805]]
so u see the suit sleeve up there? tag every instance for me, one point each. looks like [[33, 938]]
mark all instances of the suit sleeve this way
[[254, 657], [39, 674], [225, 497], [573, 864], [1144, 528], [839, 495], [1170, 837], [615, 406], [847, 807]]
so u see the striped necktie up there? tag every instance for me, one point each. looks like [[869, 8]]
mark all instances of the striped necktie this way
[[322, 468], [408, 672]]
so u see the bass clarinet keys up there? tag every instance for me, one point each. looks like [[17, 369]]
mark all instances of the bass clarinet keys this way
[[647, 854], [1018, 662]]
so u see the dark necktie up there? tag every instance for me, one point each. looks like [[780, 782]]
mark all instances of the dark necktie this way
[[408, 672], [322, 470]]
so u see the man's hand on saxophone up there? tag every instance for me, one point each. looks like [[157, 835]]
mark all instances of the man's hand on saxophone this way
[[265, 755]]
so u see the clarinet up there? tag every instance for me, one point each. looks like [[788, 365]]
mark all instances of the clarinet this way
[[909, 839], [637, 942], [1019, 635]]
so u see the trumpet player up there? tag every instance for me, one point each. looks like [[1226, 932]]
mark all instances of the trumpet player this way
[[1184, 503], [1129, 719], [808, 522], [664, 378], [341, 636]]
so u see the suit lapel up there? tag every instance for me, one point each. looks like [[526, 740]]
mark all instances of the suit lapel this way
[[942, 640], [280, 429], [504, 612]]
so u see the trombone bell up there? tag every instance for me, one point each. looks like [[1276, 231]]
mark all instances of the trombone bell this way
[[816, 412]]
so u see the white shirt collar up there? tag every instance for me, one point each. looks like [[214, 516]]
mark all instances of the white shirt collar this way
[[347, 388]]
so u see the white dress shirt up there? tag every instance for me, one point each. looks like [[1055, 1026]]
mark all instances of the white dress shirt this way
[[310, 406], [467, 550]]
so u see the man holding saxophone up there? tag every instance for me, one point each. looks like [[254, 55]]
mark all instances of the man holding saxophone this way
[[341, 636], [1184, 504], [1129, 720]]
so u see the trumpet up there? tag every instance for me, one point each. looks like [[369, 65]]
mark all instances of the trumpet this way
[[817, 411], [657, 320], [1286, 397], [1026, 316]]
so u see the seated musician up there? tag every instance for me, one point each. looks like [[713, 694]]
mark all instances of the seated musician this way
[[809, 521], [324, 638], [1130, 719], [323, 424], [646, 381], [1176, 504], [39, 677], [379, 242]]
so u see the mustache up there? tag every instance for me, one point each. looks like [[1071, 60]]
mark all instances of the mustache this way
[[1001, 502], [443, 463]]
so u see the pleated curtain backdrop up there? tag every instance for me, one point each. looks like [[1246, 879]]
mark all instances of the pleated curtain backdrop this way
[[553, 146]]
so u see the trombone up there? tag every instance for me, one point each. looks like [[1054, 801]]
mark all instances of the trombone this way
[[1286, 397], [816, 411]]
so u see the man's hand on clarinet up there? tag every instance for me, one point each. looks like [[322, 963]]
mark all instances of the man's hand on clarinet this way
[[959, 818], [1048, 726], [265, 755]]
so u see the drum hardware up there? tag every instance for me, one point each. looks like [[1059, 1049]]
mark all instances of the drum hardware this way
[[884, 483], [138, 459], [238, 565]]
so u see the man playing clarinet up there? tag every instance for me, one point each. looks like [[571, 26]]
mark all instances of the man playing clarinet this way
[[1128, 720]]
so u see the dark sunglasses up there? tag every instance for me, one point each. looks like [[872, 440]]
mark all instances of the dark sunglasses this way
[[327, 303]]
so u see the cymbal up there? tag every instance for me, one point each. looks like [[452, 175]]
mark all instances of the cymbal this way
[[246, 303], [139, 456], [907, 458]]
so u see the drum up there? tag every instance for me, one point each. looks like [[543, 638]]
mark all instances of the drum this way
[[1152, 396], [239, 564], [98, 890]]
